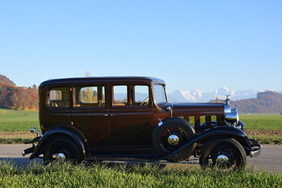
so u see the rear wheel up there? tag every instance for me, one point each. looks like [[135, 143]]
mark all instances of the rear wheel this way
[[224, 154], [62, 149]]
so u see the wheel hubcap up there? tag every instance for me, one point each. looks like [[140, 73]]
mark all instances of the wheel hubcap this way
[[173, 140], [61, 157], [222, 160]]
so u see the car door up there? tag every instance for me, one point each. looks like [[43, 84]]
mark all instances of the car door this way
[[58, 106], [90, 113], [131, 117]]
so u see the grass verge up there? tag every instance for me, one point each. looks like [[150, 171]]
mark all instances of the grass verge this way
[[263, 136], [66, 175], [15, 137]]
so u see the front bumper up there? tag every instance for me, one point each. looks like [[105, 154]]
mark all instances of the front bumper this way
[[256, 148]]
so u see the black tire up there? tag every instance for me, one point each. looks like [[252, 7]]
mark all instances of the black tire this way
[[173, 126], [223, 153], [65, 146]]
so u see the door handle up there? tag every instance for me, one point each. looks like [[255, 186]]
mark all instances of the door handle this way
[[107, 115]]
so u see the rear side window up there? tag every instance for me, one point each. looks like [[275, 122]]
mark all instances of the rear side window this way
[[120, 95], [59, 97], [90, 96]]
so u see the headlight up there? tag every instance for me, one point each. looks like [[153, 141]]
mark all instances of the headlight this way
[[232, 116]]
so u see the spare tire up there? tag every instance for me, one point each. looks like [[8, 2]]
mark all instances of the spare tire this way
[[170, 135]]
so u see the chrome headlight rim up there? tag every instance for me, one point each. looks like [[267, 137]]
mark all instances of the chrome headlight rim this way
[[232, 116]]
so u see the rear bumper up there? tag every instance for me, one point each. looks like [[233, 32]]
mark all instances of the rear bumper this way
[[28, 150], [31, 149]]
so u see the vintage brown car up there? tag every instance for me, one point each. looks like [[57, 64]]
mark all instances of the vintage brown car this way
[[124, 118]]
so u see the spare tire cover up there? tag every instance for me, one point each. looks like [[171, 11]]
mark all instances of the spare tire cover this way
[[169, 129]]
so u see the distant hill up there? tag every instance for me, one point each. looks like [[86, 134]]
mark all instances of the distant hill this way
[[5, 80], [17, 98], [266, 102]]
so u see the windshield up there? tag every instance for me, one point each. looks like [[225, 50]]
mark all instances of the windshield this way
[[160, 94]]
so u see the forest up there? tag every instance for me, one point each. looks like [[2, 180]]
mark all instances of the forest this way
[[17, 98]]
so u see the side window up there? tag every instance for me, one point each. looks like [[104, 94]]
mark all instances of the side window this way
[[131, 95], [59, 97], [120, 95], [141, 95], [90, 96]]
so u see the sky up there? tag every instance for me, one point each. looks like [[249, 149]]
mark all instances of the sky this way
[[189, 44]]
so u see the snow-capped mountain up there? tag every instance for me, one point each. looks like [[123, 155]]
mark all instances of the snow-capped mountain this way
[[198, 96]]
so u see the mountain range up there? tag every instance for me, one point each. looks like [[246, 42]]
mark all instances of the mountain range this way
[[246, 101], [198, 96]]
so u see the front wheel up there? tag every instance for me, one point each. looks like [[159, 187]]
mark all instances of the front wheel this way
[[224, 154], [62, 149]]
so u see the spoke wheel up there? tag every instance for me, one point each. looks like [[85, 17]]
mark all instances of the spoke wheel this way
[[172, 138], [223, 154], [62, 149]]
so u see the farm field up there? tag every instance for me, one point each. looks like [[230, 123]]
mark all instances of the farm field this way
[[17, 120], [14, 126], [262, 121]]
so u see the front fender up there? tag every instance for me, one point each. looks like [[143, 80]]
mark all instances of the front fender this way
[[222, 131], [61, 130]]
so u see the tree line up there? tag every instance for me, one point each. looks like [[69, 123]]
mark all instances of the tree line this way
[[18, 98]]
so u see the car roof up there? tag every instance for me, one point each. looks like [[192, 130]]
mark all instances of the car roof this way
[[89, 80]]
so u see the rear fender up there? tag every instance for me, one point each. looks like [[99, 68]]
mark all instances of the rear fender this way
[[61, 130], [222, 131]]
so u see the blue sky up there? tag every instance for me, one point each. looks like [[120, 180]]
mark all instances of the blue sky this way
[[189, 44]]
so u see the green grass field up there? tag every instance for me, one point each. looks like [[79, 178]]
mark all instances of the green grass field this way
[[14, 126], [67, 175], [262, 121], [17, 120]]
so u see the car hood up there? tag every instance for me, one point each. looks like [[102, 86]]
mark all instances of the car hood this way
[[193, 109]]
